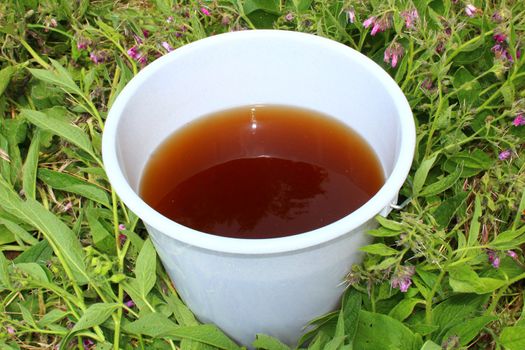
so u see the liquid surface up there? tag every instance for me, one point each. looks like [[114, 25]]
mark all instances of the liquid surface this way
[[261, 172]]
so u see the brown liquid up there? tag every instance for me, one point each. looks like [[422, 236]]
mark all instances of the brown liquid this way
[[261, 172]]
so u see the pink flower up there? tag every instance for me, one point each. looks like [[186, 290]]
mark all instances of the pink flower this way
[[167, 46], [519, 120], [97, 57], [82, 44], [496, 17], [410, 17], [122, 238], [375, 29], [471, 10], [493, 258], [499, 37], [289, 17], [10, 330], [121, 227], [504, 154], [129, 303], [145, 32], [88, 343], [133, 52], [427, 84], [403, 278], [205, 11], [169, 19], [512, 254], [369, 21], [393, 53], [350, 14]]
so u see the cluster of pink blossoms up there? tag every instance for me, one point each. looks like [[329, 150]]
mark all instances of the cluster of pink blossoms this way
[[402, 279]]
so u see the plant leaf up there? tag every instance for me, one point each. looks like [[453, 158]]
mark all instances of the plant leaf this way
[[33, 270], [70, 132], [4, 272], [263, 341], [69, 183], [95, 315], [378, 249], [30, 167], [145, 269], [421, 175], [430, 345], [5, 77], [64, 242], [512, 338], [465, 280], [442, 184], [404, 308], [378, 331], [467, 331]]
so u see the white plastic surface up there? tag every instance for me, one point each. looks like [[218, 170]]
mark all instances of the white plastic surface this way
[[272, 286]]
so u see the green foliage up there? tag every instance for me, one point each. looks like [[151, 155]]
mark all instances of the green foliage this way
[[445, 271]]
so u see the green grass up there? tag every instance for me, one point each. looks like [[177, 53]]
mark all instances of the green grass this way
[[446, 270]]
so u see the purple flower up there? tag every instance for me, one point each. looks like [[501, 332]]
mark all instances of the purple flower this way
[[145, 32], [512, 254], [121, 227], [427, 84], [97, 57], [289, 17], [129, 303], [393, 53], [122, 238], [87, 343], [519, 120], [499, 37], [205, 11], [138, 39], [133, 52], [410, 17], [496, 17], [403, 278], [504, 154], [369, 21], [350, 14], [10, 330], [167, 46], [494, 259], [83, 44], [375, 29], [471, 10]]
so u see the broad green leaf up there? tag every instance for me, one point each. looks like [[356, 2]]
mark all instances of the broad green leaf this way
[[5, 77], [40, 253], [271, 6], [34, 271], [404, 308], [448, 208], [30, 167], [95, 315], [472, 163], [70, 132], [302, 5], [351, 306], [442, 184], [145, 268], [456, 309], [509, 239], [69, 183], [378, 331], [6, 236], [26, 315], [181, 312], [52, 316], [430, 345], [4, 272], [512, 338], [378, 249], [102, 239], [153, 324], [383, 232], [467, 331], [18, 231], [207, 334], [389, 224], [64, 242], [59, 77], [421, 175], [266, 342], [336, 343], [465, 280]]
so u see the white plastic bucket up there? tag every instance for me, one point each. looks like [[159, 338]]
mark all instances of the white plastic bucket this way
[[249, 286]]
